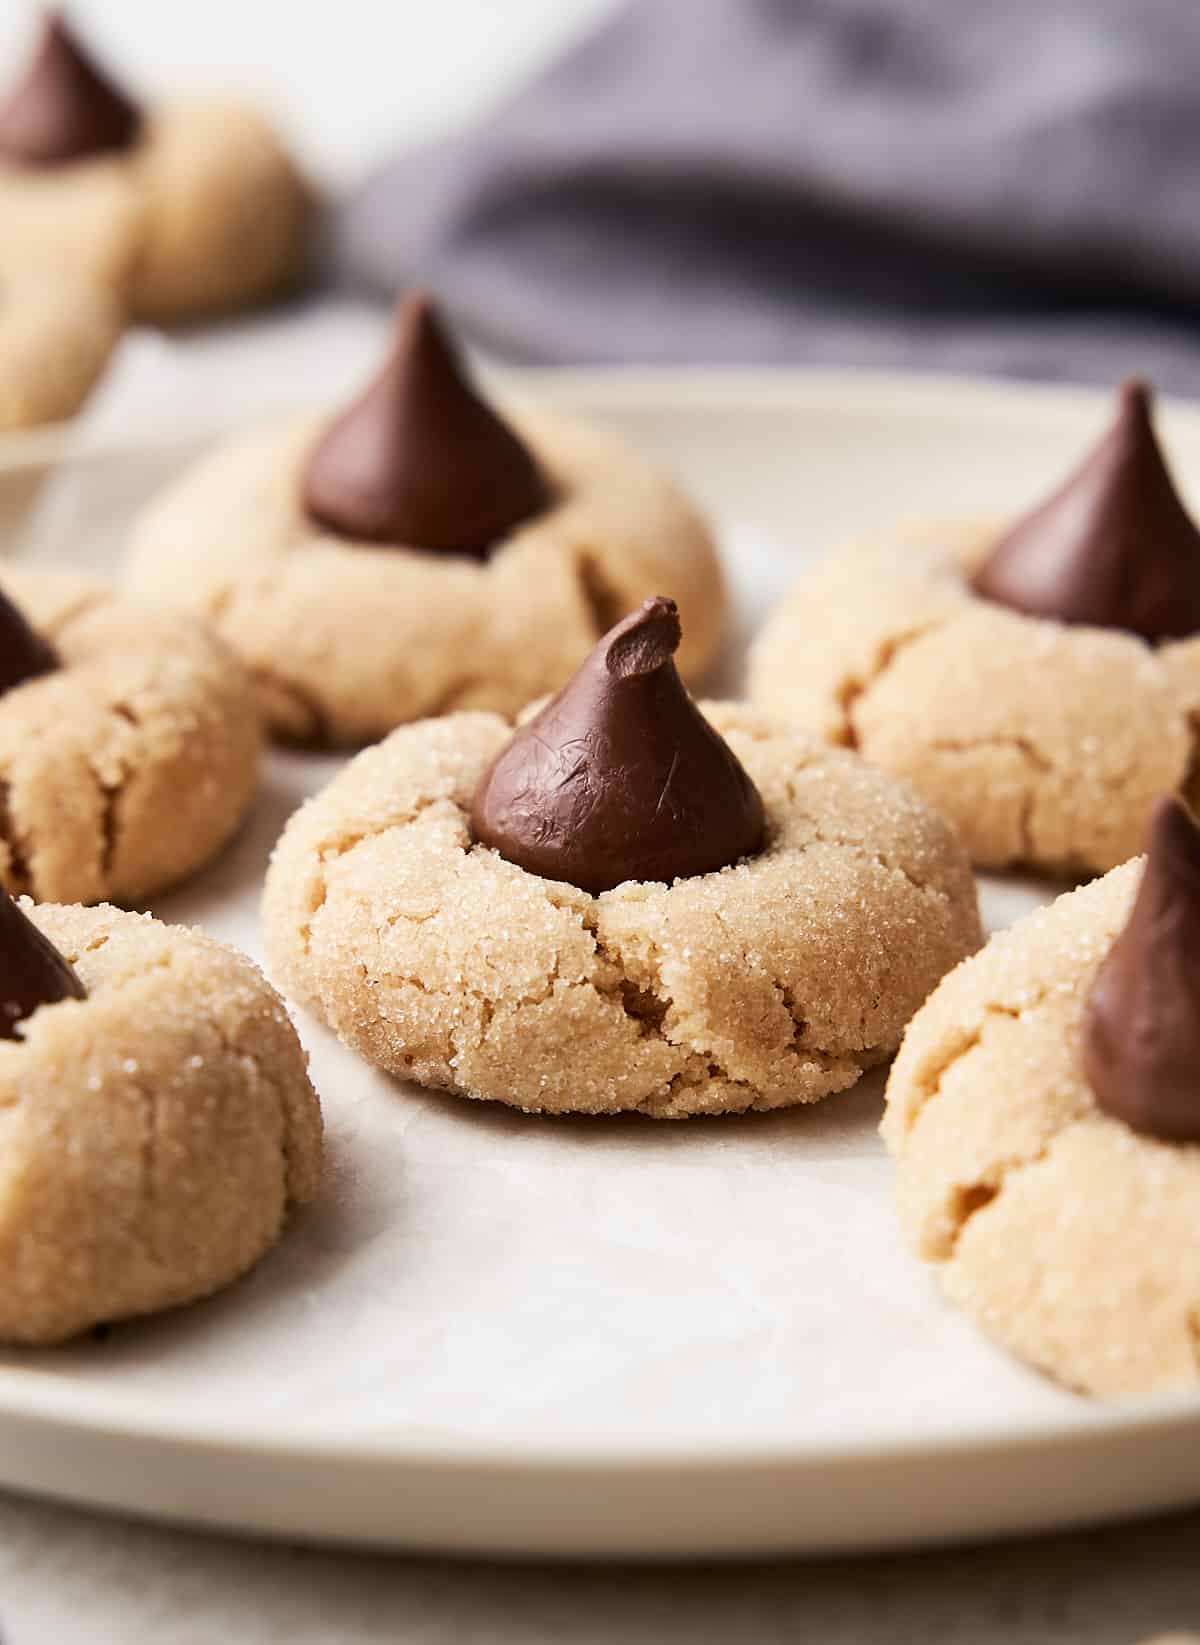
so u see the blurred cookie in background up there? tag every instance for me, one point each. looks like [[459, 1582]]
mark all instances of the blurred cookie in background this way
[[186, 207], [59, 325]]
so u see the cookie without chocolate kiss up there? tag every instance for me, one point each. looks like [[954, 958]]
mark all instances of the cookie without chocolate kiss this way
[[1067, 1237], [179, 1039], [764, 985]]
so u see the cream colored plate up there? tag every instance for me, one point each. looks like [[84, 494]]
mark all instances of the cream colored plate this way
[[587, 1337]]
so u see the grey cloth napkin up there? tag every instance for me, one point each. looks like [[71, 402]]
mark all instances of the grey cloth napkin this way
[[1009, 185]]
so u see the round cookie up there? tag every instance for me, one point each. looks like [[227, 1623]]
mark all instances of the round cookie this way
[[1044, 743], [1039, 683], [226, 217], [132, 763], [1064, 1234], [58, 328], [152, 1134], [188, 208], [767, 984], [347, 637]]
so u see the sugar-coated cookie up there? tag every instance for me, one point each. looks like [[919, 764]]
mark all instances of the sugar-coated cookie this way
[[1041, 685], [420, 554], [1044, 1115], [58, 328], [764, 914], [184, 208], [129, 741], [156, 1118]]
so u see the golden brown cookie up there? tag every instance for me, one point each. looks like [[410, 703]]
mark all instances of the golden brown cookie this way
[[184, 208], [152, 1134], [226, 216], [1045, 743], [347, 639], [1067, 1236], [131, 764], [58, 326], [771, 983]]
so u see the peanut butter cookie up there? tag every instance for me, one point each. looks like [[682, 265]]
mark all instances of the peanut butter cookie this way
[[1040, 685], [129, 741], [156, 1117], [764, 913]]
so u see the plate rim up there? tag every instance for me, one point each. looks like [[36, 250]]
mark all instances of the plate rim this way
[[624, 386], [50, 1399]]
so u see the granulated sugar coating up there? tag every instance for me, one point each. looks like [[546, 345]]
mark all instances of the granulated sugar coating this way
[[771, 983], [1044, 743], [1066, 1236], [153, 1134], [134, 762], [347, 639]]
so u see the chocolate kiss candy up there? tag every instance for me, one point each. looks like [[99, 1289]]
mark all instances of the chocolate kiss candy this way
[[1141, 1026], [620, 777], [1113, 547], [419, 460], [23, 653], [65, 108], [32, 971]]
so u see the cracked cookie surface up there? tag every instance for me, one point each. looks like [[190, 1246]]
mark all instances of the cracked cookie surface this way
[[1066, 1236], [768, 984], [58, 327], [152, 1135], [1045, 743], [205, 212], [347, 640], [133, 763]]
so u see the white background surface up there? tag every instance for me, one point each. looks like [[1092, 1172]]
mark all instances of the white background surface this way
[[344, 76], [65, 1576]]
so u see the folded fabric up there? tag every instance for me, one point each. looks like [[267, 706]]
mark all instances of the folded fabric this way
[[947, 183]]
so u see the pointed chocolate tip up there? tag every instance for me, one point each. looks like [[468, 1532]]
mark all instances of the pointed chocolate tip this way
[[1114, 547], [420, 460], [620, 777], [416, 313], [1141, 1025], [643, 641], [1135, 397], [32, 971], [65, 107], [24, 654]]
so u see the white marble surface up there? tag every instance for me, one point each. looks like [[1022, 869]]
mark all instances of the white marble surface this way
[[67, 1577]]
